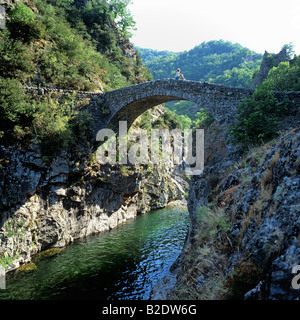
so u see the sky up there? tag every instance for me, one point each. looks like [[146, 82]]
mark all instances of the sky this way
[[179, 25]]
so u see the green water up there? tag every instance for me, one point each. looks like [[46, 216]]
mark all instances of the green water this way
[[123, 263]]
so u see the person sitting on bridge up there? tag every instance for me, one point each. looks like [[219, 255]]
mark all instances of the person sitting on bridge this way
[[179, 75]]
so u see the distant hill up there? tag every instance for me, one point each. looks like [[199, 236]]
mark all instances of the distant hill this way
[[220, 62]]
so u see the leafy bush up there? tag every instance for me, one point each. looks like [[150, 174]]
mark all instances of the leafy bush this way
[[170, 120], [15, 59], [82, 126], [257, 118], [203, 119], [14, 108], [51, 127]]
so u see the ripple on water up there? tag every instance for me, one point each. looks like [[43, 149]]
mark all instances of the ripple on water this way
[[124, 263]]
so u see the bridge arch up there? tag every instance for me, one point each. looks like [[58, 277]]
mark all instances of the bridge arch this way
[[126, 104]]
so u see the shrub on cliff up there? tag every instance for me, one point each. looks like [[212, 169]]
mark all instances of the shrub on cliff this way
[[243, 278], [284, 77], [257, 118], [23, 25]]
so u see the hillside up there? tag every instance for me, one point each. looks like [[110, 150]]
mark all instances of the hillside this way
[[243, 241], [219, 62], [69, 44]]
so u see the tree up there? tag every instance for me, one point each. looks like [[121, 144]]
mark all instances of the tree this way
[[122, 16], [289, 48]]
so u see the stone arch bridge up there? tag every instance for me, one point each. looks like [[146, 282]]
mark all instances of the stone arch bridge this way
[[130, 102]]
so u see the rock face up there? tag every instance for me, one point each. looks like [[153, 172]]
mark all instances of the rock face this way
[[49, 204], [269, 61], [257, 243]]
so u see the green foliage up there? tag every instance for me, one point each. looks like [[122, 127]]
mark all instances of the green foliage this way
[[56, 126], [257, 118], [62, 3], [149, 55], [122, 16], [284, 77], [6, 261], [183, 107], [15, 59], [22, 23], [202, 119], [69, 46], [289, 49], [81, 125], [21, 13], [170, 120], [162, 64], [185, 122], [51, 127], [145, 121], [59, 127], [191, 116], [16, 111]]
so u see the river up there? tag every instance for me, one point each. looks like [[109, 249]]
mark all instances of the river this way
[[124, 263]]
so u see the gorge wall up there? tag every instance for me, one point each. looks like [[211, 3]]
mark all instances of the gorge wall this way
[[46, 203], [244, 234]]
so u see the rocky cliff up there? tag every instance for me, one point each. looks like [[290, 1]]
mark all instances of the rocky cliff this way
[[245, 226], [269, 61]]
